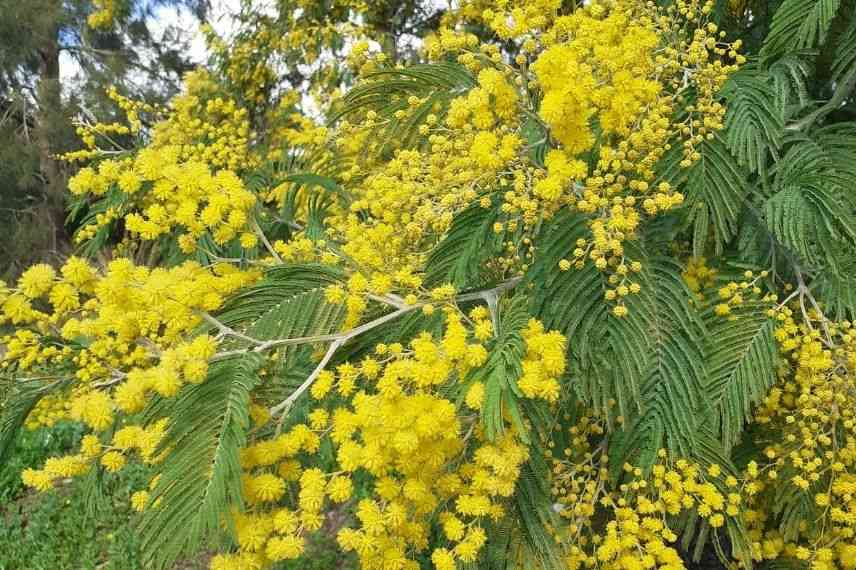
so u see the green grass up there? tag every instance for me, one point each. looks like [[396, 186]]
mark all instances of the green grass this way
[[87, 523], [82, 524]]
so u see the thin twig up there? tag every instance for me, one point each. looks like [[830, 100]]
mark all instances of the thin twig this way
[[115, 379], [788, 299], [805, 293], [226, 330], [339, 339], [286, 404], [265, 241], [842, 90], [274, 343]]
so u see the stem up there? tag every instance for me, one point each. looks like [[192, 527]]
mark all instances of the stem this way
[[227, 330], [339, 339], [842, 90], [115, 379], [262, 346], [266, 243], [286, 404]]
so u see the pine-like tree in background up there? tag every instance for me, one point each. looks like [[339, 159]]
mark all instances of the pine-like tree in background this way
[[108, 42]]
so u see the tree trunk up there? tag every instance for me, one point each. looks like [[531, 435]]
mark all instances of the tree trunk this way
[[49, 93]]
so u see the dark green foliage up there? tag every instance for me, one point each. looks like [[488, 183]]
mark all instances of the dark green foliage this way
[[799, 24], [61, 529], [715, 189], [500, 373], [741, 358], [460, 256], [812, 210], [670, 402], [844, 61], [201, 475], [386, 91], [18, 401], [754, 124]]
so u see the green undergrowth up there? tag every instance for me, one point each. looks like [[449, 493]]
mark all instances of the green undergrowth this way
[[87, 523]]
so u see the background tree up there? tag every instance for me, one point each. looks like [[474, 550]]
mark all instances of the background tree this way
[[106, 43]]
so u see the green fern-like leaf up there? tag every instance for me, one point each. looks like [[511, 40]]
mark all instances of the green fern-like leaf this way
[[387, 91], [650, 362], [523, 541], [303, 315], [784, 564], [741, 358], [799, 24], [304, 190], [793, 507], [573, 303], [710, 451], [278, 285], [200, 475], [845, 53], [754, 125], [789, 76], [84, 213], [716, 190], [501, 371], [459, 257], [671, 394], [533, 507], [812, 213], [837, 291]]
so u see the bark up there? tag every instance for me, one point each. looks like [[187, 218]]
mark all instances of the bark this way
[[49, 92]]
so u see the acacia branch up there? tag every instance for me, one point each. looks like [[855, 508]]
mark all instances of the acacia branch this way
[[286, 404], [226, 330], [266, 242], [264, 346], [338, 339], [117, 377], [842, 90]]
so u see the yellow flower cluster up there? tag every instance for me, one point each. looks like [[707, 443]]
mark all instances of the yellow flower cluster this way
[[112, 457], [734, 294], [543, 363], [518, 18], [171, 194], [403, 426], [427, 462], [91, 133], [620, 63], [404, 205], [813, 412], [509, 19], [247, 63], [126, 329], [699, 276], [608, 61], [628, 527], [55, 468], [265, 533], [102, 17], [186, 178], [206, 127]]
